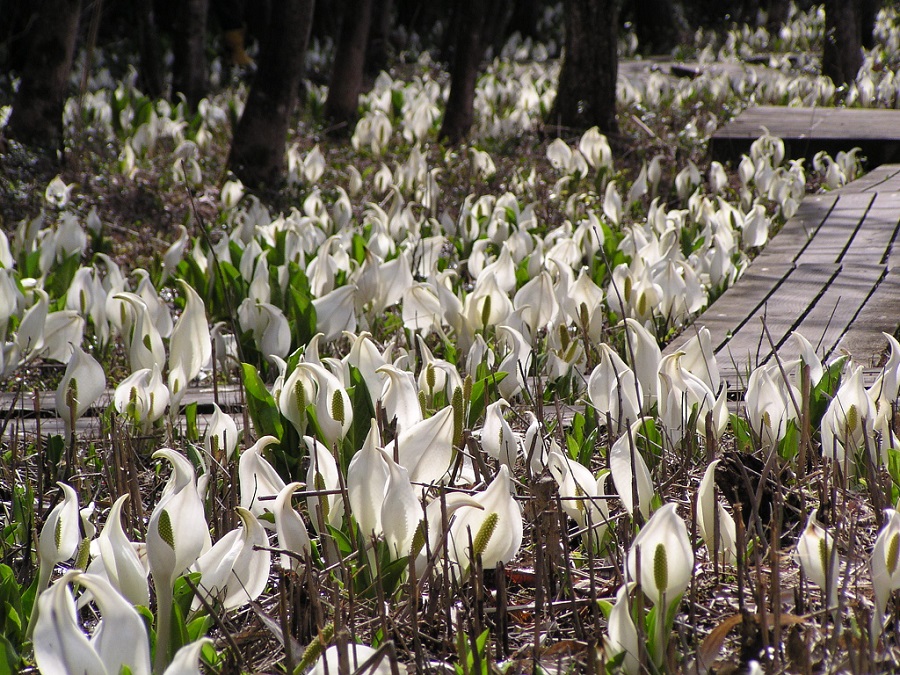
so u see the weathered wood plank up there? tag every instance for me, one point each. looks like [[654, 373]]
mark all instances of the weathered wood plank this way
[[230, 399], [881, 178], [836, 310], [875, 237], [731, 309], [838, 230], [783, 310], [864, 341], [806, 131], [797, 232]]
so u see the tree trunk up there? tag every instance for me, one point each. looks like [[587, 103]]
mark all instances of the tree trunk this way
[[471, 20], [842, 54], [349, 61], [189, 72], [778, 15], [525, 17], [257, 149], [586, 94], [656, 26], [379, 37], [38, 106], [150, 75], [868, 12]]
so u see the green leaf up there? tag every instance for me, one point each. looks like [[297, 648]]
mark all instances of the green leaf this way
[[605, 607], [192, 431], [199, 627], [260, 404], [60, 277], [479, 393], [743, 439], [10, 661], [789, 446]]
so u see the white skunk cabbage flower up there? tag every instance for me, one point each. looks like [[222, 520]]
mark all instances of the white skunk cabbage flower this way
[[290, 528], [495, 530], [622, 456], [621, 633], [769, 402], [235, 570], [258, 477], [186, 660], [62, 331], [421, 309], [612, 388], [323, 474], [118, 560], [667, 560], [401, 510], [367, 479], [426, 448], [584, 502], [334, 412], [645, 355], [595, 148], [356, 655], [142, 396], [177, 535], [537, 302], [400, 397], [190, 346], [497, 437], [60, 535], [82, 384], [119, 641], [885, 566], [708, 509], [145, 345], [30, 335], [336, 312], [819, 559], [848, 423], [221, 435], [681, 390]]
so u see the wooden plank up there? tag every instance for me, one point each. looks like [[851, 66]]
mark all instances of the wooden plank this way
[[784, 309], [874, 239], [796, 233], [863, 341], [881, 178], [730, 310], [838, 230], [88, 428], [790, 123], [836, 310], [807, 131], [230, 399]]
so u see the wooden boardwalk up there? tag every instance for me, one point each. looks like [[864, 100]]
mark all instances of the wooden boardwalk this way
[[806, 131], [832, 273]]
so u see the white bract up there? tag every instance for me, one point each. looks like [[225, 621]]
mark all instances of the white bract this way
[[819, 559]]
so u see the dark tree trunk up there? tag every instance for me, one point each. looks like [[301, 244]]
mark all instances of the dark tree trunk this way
[[778, 15], [189, 72], [868, 12], [38, 106], [842, 54], [471, 20], [349, 61], [150, 75], [524, 18], [379, 42], [257, 149], [586, 94], [656, 25]]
